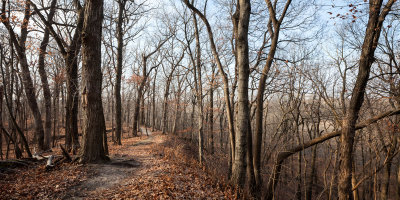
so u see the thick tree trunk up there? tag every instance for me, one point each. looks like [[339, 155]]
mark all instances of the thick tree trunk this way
[[93, 148], [142, 116], [243, 114]]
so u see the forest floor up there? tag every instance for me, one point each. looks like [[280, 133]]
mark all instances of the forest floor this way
[[152, 166]]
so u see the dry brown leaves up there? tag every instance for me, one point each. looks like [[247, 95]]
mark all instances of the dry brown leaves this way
[[167, 171], [37, 183]]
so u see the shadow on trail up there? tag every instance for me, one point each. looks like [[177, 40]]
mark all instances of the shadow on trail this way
[[142, 143], [129, 163]]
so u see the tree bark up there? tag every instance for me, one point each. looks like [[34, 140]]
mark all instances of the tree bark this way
[[43, 78], [243, 114], [139, 97], [1, 116], [93, 146], [199, 91], [212, 111], [372, 33], [118, 103], [165, 104], [153, 119]]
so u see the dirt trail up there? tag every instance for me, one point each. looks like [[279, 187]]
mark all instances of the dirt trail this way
[[146, 167], [152, 166], [127, 161]]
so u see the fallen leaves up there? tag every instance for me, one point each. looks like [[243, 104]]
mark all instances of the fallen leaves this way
[[165, 172], [35, 182]]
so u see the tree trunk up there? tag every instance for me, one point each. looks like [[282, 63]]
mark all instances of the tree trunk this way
[[372, 33], [212, 111], [56, 102], [71, 111], [1, 117], [243, 114], [165, 104], [153, 123], [137, 108], [199, 91], [9, 99], [261, 86], [43, 78], [93, 148], [312, 178], [142, 116]]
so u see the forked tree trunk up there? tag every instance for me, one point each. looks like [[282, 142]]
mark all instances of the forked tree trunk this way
[[371, 38], [145, 75], [276, 25]]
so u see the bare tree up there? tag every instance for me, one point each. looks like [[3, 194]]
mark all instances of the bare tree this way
[[377, 15], [19, 43], [143, 80], [70, 53]]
